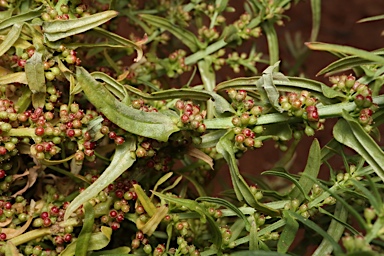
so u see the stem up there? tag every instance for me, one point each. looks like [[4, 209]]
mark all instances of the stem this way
[[21, 132], [328, 111], [191, 59]]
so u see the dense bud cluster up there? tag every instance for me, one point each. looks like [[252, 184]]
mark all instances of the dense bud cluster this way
[[191, 116], [359, 93]]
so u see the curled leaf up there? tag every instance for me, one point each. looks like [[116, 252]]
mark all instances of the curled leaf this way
[[59, 29], [155, 125]]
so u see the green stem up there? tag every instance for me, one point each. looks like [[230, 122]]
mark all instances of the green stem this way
[[328, 111], [191, 59], [21, 132]]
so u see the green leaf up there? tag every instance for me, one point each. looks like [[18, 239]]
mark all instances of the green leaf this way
[[18, 77], [346, 63], [242, 190], [221, 105], [186, 37], [10, 38], [122, 160], [152, 224], [334, 192], [195, 207], [228, 205], [10, 249], [289, 84], [375, 202], [311, 169], [289, 233], [312, 225], [267, 85], [253, 237], [209, 80], [121, 41], [112, 85], [59, 29], [273, 44], [149, 207], [288, 177], [211, 138], [340, 219], [316, 18], [350, 133], [282, 130], [347, 50], [373, 18], [153, 125], [86, 231], [34, 69], [22, 17], [331, 93], [97, 241], [258, 253], [163, 179], [124, 250]]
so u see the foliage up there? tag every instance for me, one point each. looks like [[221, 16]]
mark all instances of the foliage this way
[[111, 146]]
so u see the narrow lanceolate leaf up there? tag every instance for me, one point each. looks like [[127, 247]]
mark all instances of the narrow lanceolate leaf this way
[[311, 169], [240, 186], [59, 29], [316, 17], [121, 41], [97, 241], [289, 233], [312, 225], [121, 161], [346, 63], [347, 50], [292, 82], [335, 230], [18, 77], [350, 133], [34, 69], [10, 38], [21, 17], [288, 177], [195, 207], [145, 201], [86, 231], [153, 125], [228, 205], [253, 237], [155, 220], [373, 18], [187, 37], [273, 44]]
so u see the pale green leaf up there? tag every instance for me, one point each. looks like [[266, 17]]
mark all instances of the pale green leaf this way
[[59, 29], [10, 38], [147, 124], [122, 160]]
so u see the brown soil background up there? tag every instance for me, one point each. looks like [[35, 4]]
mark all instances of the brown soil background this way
[[338, 26]]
